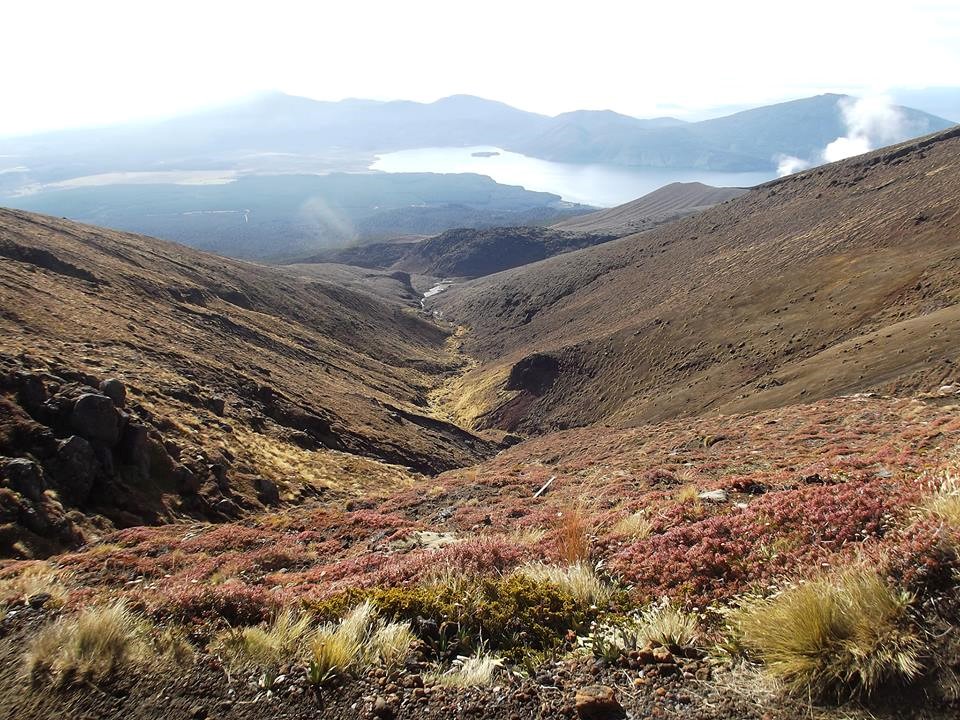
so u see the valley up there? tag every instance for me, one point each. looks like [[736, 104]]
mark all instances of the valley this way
[[594, 476]]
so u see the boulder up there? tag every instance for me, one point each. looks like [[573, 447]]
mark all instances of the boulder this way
[[95, 417], [115, 390], [217, 405], [714, 496], [26, 477], [134, 448], [267, 491], [597, 702], [78, 465]]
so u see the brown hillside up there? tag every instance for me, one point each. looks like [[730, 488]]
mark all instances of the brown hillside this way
[[833, 281], [670, 202], [245, 385]]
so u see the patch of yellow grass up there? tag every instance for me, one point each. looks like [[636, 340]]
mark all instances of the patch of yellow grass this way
[[270, 644], [90, 645], [668, 626], [579, 580], [636, 526], [37, 578], [840, 636], [944, 502], [358, 641], [478, 670], [291, 467], [688, 494]]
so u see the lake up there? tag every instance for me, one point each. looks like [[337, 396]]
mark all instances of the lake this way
[[599, 185]]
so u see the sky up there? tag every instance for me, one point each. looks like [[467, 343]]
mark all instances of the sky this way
[[69, 63]]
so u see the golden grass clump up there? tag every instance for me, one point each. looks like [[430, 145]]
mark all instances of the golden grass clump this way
[[39, 578], [91, 645], [636, 526], [668, 626], [661, 625], [578, 580], [944, 502], [477, 670], [356, 642], [270, 644], [840, 637]]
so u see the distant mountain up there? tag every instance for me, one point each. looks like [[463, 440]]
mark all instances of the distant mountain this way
[[277, 133], [747, 140], [670, 202], [942, 101]]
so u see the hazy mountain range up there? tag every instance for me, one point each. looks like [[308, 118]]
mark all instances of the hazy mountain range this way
[[254, 179]]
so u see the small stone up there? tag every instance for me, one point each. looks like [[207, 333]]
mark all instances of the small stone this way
[[382, 709], [597, 702], [662, 656]]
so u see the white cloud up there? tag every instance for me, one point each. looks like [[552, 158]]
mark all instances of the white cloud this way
[[67, 62]]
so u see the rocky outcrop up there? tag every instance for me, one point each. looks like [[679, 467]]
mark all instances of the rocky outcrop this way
[[78, 458]]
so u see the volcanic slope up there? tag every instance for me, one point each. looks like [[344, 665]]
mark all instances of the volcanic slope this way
[[244, 385], [670, 202], [838, 280]]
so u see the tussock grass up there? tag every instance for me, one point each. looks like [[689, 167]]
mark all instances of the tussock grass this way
[[668, 626], [842, 636], [573, 542], [477, 670], [636, 526], [269, 644], [91, 645], [356, 642], [36, 579], [578, 580], [661, 625], [944, 502]]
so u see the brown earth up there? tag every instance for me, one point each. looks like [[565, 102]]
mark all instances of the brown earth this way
[[671, 202], [245, 375], [836, 280]]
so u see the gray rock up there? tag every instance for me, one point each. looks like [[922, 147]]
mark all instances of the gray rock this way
[[95, 417], [267, 491], [115, 390], [78, 463], [134, 448], [187, 480], [716, 496], [26, 477], [227, 507], [217, 405]]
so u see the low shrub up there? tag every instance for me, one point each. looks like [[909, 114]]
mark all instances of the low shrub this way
[[455, 613]]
